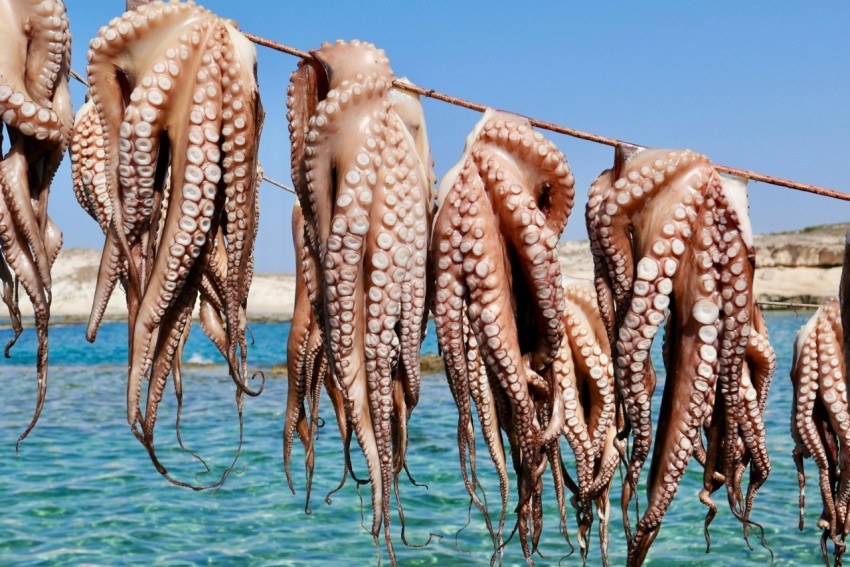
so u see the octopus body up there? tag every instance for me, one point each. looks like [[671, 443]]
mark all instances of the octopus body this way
[[35, 107], [820, 420], [166, 161], [671, 238], [499, 303], [364, 183]]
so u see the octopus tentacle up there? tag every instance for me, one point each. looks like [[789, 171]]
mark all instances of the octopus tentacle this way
[[482, 395], [676, 433], [18, 203], [180, 243], [49, 43], [168, 342], [177, 379], [109, 272], [110, 84], [19, 257], [451, 335], [11, 303], [297, 350], [241, 111], [737, 275], [88, 162]]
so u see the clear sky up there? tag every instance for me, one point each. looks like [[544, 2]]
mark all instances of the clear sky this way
[[757, 85]]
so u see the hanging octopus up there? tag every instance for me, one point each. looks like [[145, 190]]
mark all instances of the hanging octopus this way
[[307, 367], [669, 235], [584, 368], [166, 161], [820, 417], [364, 183], [35, 106], [499, 304]]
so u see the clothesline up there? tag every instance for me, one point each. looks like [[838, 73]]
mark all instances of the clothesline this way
[[596, 138], [431, 93]]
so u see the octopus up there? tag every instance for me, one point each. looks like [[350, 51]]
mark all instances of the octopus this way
[[671, 239], [165, 159], [35, 107], [820, 419], [307, 369], [499, 308], [362, 172]]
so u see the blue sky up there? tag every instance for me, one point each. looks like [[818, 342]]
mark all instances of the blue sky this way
[[758, 85]]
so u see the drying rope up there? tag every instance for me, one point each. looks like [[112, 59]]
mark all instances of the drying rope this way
[[431, 93], [278, 184], [79, 77], [596, 138]]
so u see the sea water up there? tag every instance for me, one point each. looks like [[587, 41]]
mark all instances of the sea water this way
[[83, 491]]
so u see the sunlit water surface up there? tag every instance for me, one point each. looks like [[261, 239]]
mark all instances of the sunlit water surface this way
[[83, 491]]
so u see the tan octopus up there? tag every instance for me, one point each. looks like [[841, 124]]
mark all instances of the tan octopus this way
[[35, 106], [364, 183], [307, 369], [820, 416], [669, 235], [165, 159], [499, 310]]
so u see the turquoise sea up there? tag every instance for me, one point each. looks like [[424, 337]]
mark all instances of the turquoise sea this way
[[83, 491]]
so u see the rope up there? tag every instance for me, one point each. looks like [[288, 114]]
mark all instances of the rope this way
[[278, 184], [596, 138], [552, 127], [79, 77]]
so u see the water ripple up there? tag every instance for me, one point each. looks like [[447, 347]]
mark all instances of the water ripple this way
[[83, 491]]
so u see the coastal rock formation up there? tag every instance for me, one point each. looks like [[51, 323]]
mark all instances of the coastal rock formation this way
[[803, 265]]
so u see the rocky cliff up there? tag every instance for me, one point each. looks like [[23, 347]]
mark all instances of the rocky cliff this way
[[800, 266]]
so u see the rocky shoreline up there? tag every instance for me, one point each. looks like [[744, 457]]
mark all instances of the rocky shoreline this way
[[801, 266]]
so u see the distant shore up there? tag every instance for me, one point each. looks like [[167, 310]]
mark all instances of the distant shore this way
[[801, 266]]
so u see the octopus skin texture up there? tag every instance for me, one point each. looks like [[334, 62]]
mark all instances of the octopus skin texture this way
[[35, 109], [176, 113], [820, 420], [364, 183], [499, 304], [671, 238]]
